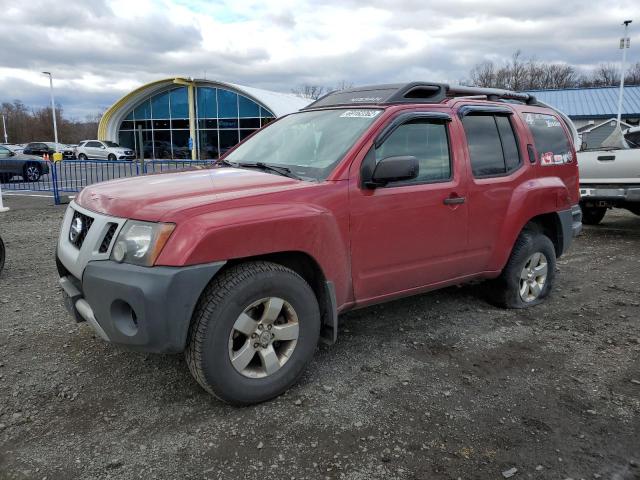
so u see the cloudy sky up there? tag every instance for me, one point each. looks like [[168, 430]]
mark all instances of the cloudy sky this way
[[98, 50]]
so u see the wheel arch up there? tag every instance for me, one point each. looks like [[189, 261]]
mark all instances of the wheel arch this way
[[550, 225], [310, 270]]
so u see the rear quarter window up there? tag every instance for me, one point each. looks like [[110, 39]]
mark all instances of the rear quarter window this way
[[549, 138]]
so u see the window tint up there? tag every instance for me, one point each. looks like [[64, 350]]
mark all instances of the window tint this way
[[633, 139], [425, 140], [93, 144], [549, 137], [492, 144], [4, 151]]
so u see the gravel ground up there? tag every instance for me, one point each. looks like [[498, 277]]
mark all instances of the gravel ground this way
[[439, 386]]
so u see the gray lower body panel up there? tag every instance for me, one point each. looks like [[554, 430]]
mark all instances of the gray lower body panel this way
[[144, 308]]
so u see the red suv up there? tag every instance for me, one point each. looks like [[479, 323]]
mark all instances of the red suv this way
[[364, 196]]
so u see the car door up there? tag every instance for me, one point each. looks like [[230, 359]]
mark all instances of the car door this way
[[410, 234], [496, 165], [102, 151], [6, 161], [92, 150]]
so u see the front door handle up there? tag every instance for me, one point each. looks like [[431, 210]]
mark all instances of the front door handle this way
[[454, 200]]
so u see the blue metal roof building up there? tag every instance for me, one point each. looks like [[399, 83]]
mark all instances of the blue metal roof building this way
[[592, 103], [594, 110]]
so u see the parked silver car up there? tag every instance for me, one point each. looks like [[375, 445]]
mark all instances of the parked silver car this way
[[103, 150]]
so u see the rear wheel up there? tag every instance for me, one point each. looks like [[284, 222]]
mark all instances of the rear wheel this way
[[32, 172], [82, 157], [253, 333], [593, 215], [529, 274]]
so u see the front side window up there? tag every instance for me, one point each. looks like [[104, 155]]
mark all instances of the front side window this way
[[549, 138], [425, 140], [4, 152], [310, 143], [493, 148], [111, 144]]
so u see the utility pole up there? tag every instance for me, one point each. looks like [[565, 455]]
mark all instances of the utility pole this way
[[53, 109], [624, 45], [4, 126]]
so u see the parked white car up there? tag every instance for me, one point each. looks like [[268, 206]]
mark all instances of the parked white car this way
[[103, 150]]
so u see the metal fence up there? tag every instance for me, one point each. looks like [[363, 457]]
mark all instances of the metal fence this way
[[71, 176]]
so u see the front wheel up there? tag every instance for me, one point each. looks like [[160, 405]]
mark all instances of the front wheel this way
[[529, 274], [112, 157], [253, 333], [593, 215]]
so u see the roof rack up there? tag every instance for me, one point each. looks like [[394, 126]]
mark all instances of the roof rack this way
[[414, 92]]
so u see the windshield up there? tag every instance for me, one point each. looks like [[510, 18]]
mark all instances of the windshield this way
[[111, 144], [309, 143]]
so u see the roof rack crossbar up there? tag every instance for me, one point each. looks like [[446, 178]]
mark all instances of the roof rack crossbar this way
[[490, 93]]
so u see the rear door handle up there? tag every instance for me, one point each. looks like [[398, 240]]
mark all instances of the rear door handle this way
[[454, 200], [606, 158]]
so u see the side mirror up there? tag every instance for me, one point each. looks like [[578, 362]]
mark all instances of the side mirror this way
[[394, 169], [103, 147]]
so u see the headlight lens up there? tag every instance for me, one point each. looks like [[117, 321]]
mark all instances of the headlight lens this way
[[140, 243]]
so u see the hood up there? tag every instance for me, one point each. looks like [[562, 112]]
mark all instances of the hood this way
[[168, 196]]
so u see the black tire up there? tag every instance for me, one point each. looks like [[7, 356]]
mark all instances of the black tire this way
[[221, 304], [505, 290], [83, 157], [635, 209], [112, 158], [31, 172], [3, 254], [593, 215]]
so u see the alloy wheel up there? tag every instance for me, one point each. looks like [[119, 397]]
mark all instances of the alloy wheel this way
[[263, 337], [533, 277]]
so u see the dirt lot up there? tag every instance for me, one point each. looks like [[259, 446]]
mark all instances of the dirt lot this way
[[440, 386]]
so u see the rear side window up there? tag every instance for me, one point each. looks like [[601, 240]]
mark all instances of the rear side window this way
[[549, 138], [493, 147]]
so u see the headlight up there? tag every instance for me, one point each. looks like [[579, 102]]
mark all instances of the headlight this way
[[140, 243]]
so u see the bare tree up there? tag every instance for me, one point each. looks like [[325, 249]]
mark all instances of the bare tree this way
[[312, 92], [483, 74], [27, 125]]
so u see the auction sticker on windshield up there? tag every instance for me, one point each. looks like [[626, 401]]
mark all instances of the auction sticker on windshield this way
[[360, 114]]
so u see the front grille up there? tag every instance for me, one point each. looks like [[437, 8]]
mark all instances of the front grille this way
[[78, 232], [108, 237]]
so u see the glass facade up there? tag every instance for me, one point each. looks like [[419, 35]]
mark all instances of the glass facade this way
[[223, 118]]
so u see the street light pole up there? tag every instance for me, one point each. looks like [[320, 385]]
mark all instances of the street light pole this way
[[4, 126], [53, 109], [624, 45]]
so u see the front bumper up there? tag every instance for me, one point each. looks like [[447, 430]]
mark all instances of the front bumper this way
[[143, 308]]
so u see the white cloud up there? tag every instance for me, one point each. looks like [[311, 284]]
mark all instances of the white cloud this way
[[101, 49]]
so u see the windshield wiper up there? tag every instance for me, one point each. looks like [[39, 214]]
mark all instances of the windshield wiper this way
[[227, 163], [284, 171]]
